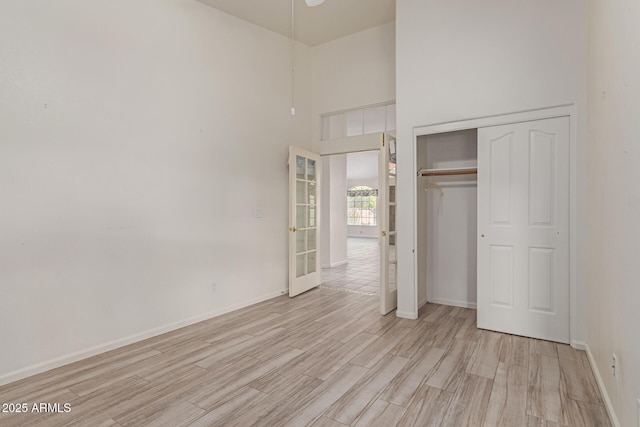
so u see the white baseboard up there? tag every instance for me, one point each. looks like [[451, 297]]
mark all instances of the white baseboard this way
[[422, 302], [335, 264], [406, 315], [112, 345], [362, 236], [603, 390], [578, 345], [454, 303]]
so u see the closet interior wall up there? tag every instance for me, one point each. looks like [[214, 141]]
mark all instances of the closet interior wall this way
[[447, 220]]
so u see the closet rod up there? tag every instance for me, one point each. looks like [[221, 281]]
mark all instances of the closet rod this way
[[443, 172]]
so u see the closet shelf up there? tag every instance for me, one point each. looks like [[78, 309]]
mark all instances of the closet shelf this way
[[447, 171]]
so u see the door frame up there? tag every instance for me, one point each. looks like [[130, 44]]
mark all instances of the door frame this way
[[568, 110], [352, 144]]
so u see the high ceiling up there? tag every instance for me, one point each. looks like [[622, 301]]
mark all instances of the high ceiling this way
[[313, 25]]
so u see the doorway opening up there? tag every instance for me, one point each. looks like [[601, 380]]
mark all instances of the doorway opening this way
[[350, 254]]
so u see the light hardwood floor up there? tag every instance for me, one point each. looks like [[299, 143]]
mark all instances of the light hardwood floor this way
[[324, 358]]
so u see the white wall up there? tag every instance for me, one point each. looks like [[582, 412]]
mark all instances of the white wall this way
[[363, 230], [334, 211], [353, 71], [464, 59], [447, 220], [136, 139], [614, 201]]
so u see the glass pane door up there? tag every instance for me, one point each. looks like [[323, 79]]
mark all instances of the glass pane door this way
[[388, 236], [304, 193], [306, 209]]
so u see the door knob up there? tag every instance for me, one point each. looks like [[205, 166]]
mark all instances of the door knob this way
[[384, 233], [293, 229]]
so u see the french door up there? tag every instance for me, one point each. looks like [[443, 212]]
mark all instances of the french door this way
[[523, 229], [388, 235], [304, 224]]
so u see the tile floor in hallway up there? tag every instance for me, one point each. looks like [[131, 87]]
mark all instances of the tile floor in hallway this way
[[361, 273]]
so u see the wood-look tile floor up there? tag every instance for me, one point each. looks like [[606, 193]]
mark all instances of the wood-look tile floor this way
[[361, 274], [324, 358]]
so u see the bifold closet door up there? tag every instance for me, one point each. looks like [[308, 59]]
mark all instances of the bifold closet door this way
[[523, 229]]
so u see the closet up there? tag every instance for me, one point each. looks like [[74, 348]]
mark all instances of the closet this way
[[447, 218], [493, 224]]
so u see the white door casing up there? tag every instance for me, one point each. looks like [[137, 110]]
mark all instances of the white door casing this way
[[523, 228], [304, 220], [388, 234]]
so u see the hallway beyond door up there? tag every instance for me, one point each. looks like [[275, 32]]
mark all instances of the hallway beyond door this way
[[361, 274]]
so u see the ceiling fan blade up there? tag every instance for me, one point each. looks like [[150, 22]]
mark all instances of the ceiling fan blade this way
[[312, 3]]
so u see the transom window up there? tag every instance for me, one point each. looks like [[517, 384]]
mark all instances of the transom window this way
[[359, 121], [361, 205]]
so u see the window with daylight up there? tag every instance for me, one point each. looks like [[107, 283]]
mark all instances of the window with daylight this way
[[361, 205]]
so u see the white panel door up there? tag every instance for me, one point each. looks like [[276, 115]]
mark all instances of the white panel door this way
[[304, 224], [523, 227], [387, 220]]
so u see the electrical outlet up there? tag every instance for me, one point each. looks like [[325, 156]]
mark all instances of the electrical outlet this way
[[614, 365], [258, 213], [214, 287]]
